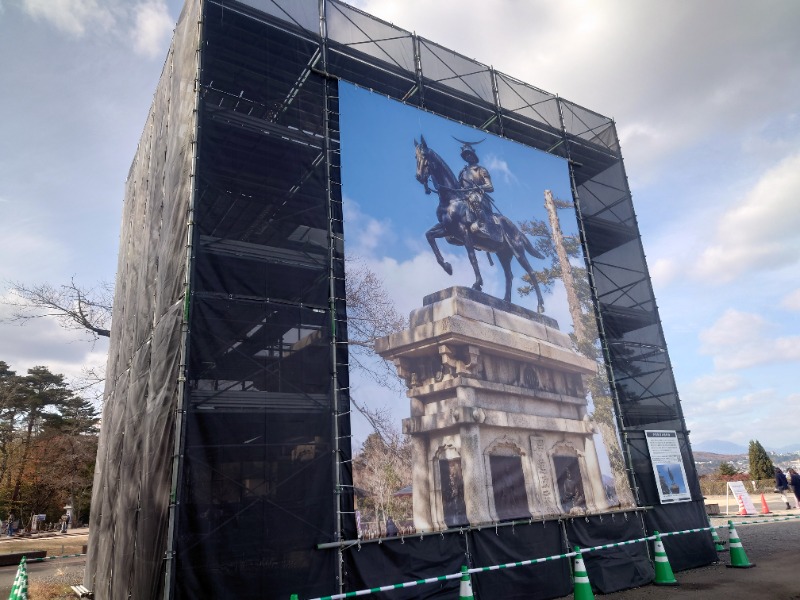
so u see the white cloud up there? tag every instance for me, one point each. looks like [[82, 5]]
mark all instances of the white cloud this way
[[364, 233], [715, 383], [147, 23], [152, 28], [732, 329], [28, 253], [791, 301], [663, 271], [760, 233], [73, 17], [741, 417], [498, 165], [777, 136], [408, 281], [739, 340]]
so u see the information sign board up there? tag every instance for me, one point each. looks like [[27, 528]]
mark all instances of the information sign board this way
[[665, 456]]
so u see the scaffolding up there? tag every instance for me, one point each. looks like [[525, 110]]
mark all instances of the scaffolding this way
[[225, 452]]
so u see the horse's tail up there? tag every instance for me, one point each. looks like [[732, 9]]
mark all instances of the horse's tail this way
[[529, 247], [513, 234]]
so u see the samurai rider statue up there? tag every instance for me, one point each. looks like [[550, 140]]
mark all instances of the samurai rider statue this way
[[476, 182]]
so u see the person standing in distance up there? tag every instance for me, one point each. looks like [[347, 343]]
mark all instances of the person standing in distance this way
[[794, 481], [781, 485]]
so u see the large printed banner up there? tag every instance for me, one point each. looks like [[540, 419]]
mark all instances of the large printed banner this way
[[665, 456], [478, 390]]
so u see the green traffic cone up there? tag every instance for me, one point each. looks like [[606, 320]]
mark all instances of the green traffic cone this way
[[465, 590], [664, 574], [717, 541], [583, 589], [738, 557]]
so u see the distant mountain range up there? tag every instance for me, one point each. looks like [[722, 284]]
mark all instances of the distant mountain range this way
[[723, 447]]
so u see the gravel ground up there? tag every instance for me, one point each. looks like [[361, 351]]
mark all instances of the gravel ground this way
[[774, 549], [66, 574]]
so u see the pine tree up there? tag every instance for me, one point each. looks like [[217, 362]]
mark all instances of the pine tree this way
[[726, 469], [559, 249], [761, 466]]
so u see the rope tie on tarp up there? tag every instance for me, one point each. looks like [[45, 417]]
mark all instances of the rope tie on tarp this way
[[534, 561]]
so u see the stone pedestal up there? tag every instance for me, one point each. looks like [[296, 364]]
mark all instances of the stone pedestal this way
[[498, 413]]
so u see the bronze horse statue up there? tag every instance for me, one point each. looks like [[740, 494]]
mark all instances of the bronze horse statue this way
[[455, 218]]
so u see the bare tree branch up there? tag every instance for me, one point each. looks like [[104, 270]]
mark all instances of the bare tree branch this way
[[89, 384], [370, 311], [370, 315], [379, 418], [73, 306]]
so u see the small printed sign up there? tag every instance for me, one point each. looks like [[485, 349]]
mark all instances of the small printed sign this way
[[665, 456], [742, 497]]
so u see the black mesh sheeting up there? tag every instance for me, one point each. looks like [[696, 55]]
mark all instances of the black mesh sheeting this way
[[396, 561], [689, 550], [617, 568], [131, 495], [257, 489], [490, 547], [264, 476]]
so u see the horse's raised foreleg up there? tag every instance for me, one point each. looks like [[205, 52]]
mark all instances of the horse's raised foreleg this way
[[437, 231]]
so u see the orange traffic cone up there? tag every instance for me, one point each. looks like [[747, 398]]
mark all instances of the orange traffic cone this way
[[742, 512], [764, 507]]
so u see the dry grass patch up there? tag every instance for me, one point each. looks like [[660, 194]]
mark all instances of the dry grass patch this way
[[49, 591]]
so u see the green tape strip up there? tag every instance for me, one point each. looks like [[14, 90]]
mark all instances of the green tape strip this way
[[53, 557]]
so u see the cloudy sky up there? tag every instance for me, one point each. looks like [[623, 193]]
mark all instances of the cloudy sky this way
[[706, 96]]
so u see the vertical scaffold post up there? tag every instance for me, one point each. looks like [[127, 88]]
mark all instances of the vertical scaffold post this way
[[333, 255]]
